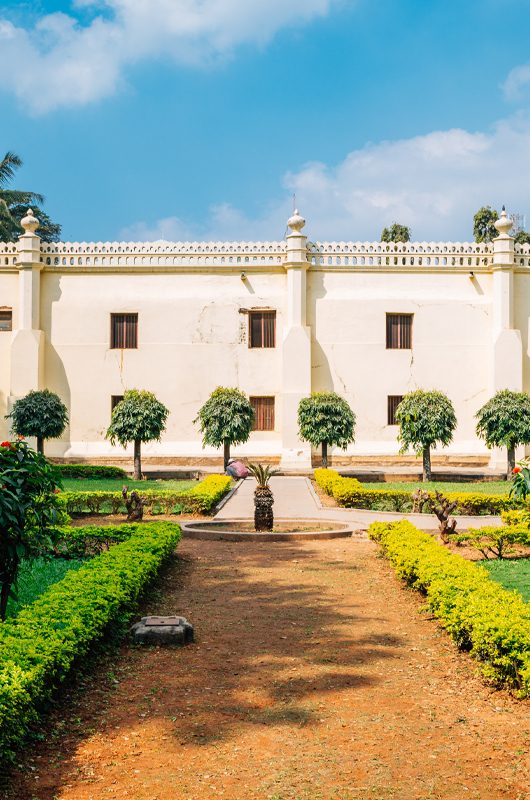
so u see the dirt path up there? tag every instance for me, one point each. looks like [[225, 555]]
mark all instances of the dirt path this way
[[313, 676]]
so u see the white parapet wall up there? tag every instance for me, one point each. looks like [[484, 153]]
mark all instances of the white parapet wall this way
[[468, 305]]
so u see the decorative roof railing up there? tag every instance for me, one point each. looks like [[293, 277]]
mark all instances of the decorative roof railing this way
[[8, 254], [162, 254], [400, 254]]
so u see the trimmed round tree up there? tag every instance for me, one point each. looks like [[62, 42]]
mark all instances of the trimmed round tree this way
[[325, 419], [225, 419], [425, 419], [41, 414], [138, 418], [504, 421]]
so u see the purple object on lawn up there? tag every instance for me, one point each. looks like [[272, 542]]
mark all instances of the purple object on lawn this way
[[236, 469]]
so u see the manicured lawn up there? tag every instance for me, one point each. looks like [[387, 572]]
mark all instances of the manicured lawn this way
[[104, 485], [35, 576], [484, 487], [511, 573]]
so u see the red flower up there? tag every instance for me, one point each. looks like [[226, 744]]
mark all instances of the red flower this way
[[5, 444], [515, 470]]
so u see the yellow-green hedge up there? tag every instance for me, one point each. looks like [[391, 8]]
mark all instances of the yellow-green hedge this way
[[40, 645], [490, 622], [200, 499], [350, 493]]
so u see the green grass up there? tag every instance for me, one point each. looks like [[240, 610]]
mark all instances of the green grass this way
[[511, 573], [484, 487], [104, 485], [35, 576]]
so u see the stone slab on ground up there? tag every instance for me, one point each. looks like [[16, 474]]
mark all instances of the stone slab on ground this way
[[172, 630]]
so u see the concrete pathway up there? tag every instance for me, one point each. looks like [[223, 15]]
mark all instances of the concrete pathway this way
[[295, 497]]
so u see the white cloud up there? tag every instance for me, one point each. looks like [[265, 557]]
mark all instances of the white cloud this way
[[62, 62], [517, 82], [434, 183]]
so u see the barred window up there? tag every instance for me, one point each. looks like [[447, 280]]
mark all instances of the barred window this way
[[114, 400], [123, 331], [6, 319], [399, 331], [263, 413], [262, 328], [393, 401]]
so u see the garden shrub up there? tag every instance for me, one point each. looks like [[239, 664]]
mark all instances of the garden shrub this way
[[350, 493], [91, 471], [200, 499], [39, 647], [482, 617], [496, 542]]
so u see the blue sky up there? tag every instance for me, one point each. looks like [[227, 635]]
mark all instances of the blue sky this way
[[187, 119]]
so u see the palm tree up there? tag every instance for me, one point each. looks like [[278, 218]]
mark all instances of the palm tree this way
[[14, 205], [263, 497]]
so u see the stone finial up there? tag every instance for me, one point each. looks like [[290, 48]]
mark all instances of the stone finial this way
[[30, 223], [503, 224], [296, 222]]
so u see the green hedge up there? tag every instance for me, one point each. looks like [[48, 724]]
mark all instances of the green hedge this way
[[482, 617], [200, 499], [39, 647], [90, 471], [348, 492], [91, 540]]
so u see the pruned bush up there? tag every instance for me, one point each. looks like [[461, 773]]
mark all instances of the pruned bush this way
[[39, 647], [483, 618], [496, 542]]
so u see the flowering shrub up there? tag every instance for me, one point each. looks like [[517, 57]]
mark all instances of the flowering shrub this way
[[29, 510]]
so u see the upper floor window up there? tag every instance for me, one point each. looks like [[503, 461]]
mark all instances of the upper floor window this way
[[399, 331], [123, 331], [393, 401], [6, 319], [262, 328], [263, 413]]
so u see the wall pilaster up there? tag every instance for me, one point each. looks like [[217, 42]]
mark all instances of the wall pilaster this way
[[27, 348], [296, 348], [507, 370]]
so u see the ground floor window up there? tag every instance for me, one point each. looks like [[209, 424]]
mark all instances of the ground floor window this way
[[114, 400], [393, 401], [6, 319], [263, 413]]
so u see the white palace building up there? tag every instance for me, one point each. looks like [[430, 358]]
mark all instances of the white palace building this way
[[368, 320]]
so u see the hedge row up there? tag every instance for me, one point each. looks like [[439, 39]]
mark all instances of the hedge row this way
[[490, 622], [90, 471], [91, 540], [41, 644], [200, 499], [350, 493]]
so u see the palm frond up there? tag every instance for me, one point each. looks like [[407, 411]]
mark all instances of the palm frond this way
[[262, 473], [17, 197], [8, 166]]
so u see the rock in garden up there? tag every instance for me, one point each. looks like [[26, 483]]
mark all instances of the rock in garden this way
[[162, 630]]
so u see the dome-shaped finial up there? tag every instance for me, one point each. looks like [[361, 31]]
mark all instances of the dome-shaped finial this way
[[504, 223], [30, 223], [296, 222]]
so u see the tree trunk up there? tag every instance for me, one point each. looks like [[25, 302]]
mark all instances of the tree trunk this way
[[137, 460], [226, 453], [426, 464], [325, 455], [40, 445], [263, 513], [511, 462], [4, 597]]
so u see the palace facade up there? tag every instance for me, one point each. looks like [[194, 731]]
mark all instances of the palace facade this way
[[368, 320]]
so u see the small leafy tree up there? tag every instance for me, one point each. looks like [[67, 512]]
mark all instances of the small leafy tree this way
[[28, 510], [225, 419], [41, 414], [396, 233], [484, 229], [138, 418], [325, 419], [504, 421], [425, 419], [522, 237]]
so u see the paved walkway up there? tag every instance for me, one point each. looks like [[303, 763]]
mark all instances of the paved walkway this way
[[295, 497]]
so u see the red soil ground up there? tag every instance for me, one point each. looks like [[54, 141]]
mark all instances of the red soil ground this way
[[315, 675]]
